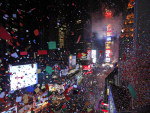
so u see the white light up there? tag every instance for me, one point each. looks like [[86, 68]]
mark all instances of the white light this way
[[103, 65], [107, 59], [75, 86], [108, 38], [111, 66], [122, 30], [93, 56], [94, 60]]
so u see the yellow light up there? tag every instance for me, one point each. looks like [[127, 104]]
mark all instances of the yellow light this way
[[70, 57], [107, 91]]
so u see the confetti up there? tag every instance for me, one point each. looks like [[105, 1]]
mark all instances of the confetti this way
[[36, 32], [30, 33]]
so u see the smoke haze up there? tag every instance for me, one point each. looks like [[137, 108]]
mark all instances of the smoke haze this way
[[99, 25]]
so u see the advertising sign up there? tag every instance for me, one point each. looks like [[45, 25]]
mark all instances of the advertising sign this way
[[108, 38], [108, 55], [108, 44], [109, 30], [72, 61], [93, 56], [89, 54]]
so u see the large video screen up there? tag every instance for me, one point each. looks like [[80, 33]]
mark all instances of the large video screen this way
[[22, 76]]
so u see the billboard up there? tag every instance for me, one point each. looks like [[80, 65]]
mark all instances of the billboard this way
[[93, 56], [108, 38], [22, 76], [72, 61], [108, 54], [109, 30], [108, 43], [89, 54]]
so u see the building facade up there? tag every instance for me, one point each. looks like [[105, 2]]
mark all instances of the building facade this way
[[134, 53]]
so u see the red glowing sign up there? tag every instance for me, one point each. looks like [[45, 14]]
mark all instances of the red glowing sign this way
[[105, 110], [86, 67], [108, 14]]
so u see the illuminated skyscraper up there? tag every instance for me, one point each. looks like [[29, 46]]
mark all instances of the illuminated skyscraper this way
[[62, 31]]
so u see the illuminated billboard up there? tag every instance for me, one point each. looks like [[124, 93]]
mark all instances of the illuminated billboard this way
[[82, 56], [93, 56], [72, 61], [108, 45], [109, 30], [108, 38], [108, 54], [88, 54], [108, 13], [107, 59], [22, 76]]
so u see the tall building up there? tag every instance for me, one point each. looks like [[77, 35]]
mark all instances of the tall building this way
[[126, 43], [134, 54], [142, 50], [62, 35]]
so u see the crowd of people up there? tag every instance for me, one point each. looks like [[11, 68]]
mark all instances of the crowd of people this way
[[82, 98]]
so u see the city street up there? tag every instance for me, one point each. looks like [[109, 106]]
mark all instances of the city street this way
[[89, 94]]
